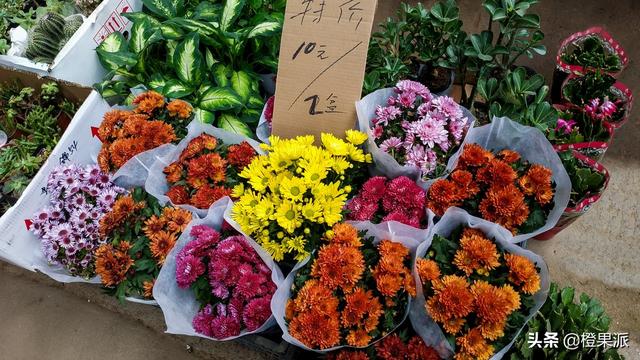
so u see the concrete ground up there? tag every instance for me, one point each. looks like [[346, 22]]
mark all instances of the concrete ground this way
[[599, 254]]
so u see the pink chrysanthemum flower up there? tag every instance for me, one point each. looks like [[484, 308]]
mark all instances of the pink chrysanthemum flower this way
[[224, 327], [392, 143], [257, 312], [188, 269]]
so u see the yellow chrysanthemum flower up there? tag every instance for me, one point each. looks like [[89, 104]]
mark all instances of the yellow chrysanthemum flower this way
[[276, 250], [356, 137], [356, 154], [340, 165], [264, 210], [294, 244], [288, 216], [238, 191], [293, 188], [312, 210], [334, 145]]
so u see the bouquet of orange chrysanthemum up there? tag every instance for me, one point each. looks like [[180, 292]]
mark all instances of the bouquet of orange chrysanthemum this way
[[353, 291], [138, 235], [153, 122], [206, 171], [502, 188], [476, 286]]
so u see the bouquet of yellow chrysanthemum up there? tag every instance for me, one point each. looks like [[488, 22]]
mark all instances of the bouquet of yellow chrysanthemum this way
[[298, 190], [476, 289]]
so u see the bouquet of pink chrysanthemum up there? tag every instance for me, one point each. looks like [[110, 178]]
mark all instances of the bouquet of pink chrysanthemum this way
[[381, 199], [230, 281], [418, 129]]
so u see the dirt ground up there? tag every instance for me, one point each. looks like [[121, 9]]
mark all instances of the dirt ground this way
[[598, 255]]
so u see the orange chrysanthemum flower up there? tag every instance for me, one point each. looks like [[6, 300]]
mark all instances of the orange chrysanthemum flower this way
[[454, 325], [178, 195], [178, 219], [492, 330], [148, 102], [161, 244], [523, 273], [133, 125], [505, 206], [544, 195], [494, 304], [428, 270], [104, 161], [147, 287], [497, 173], [314, 295], [442, 195], [305, 326], [474, 155], [392, 249], [452, 298], [113, 263], [111, 121], [156, 133], [122, 150], [173, 172], [153, 226], [362, 309], [358, 338], [540, 175], [389, 284], [179, 108], [197, 182], [346, 234], [338, 266], [473, 344], [476, 253], [509, 156], [466, 187]]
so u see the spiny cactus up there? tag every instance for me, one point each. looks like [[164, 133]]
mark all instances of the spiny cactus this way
[[87, 6], [49, 35]]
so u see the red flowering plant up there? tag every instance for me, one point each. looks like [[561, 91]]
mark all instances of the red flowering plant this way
[[500, 187], [353, 291], [152, 122], [206, 171], [381, 199], [403, 344]]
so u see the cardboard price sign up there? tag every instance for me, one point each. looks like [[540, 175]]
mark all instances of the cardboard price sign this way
[[322, 61]]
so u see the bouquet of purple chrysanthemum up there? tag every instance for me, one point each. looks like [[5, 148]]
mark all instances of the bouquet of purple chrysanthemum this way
[[69, 226], [419, 130], [230, 281]]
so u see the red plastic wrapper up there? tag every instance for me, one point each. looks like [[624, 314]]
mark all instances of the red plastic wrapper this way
[[572, 213], [612, 46]]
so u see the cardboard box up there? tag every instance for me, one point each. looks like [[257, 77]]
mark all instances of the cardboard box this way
[[77, 62]]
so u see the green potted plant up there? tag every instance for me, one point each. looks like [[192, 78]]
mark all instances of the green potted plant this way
[[414, 47], [33, 122], [561, 314], [208, 53]]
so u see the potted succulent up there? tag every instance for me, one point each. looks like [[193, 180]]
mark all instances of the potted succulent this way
[[414, 47], [33, 123]]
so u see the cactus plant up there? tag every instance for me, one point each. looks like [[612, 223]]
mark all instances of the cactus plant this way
[[87, 6], [49, 35], [71, 26], [52, 24]]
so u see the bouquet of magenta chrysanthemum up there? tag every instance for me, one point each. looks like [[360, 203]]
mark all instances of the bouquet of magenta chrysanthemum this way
[[417, 131], [231, 283], [381, 199], [69, 226]]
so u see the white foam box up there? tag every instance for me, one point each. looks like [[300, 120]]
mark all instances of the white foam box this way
[[77, 62]]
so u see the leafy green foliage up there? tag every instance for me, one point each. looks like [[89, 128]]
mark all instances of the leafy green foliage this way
[[585, 181], [31, 121], [208, 53], [419, 37], [562, 314], [592, 52]]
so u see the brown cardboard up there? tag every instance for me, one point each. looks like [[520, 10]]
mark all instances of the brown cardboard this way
[[71, 92], [322, 61]]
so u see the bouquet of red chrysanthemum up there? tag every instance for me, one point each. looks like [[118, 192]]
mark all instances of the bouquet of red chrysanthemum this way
[[476, 290], [356, 288], [202, 169], [381, 199]]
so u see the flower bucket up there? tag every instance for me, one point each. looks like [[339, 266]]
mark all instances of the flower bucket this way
[[576, 39]]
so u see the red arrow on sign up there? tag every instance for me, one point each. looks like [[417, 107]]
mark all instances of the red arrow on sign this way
[[28, 224], [95, 132]]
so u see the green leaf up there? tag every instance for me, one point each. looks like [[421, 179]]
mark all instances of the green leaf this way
[[567, 295], [115, 42], [142, 35], [201, 27], [216, 99], [188, 60], [210, 61], [171, 31], [140, 16], [164, 8], [267, 28], [232, 10], [221, 74], [157, 83], [241, 84], [204, 116], [231, 123], [115, 61], [175, 89], [206, 11]]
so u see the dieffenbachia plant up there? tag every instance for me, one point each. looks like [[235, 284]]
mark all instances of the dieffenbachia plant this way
[[209, 54]]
